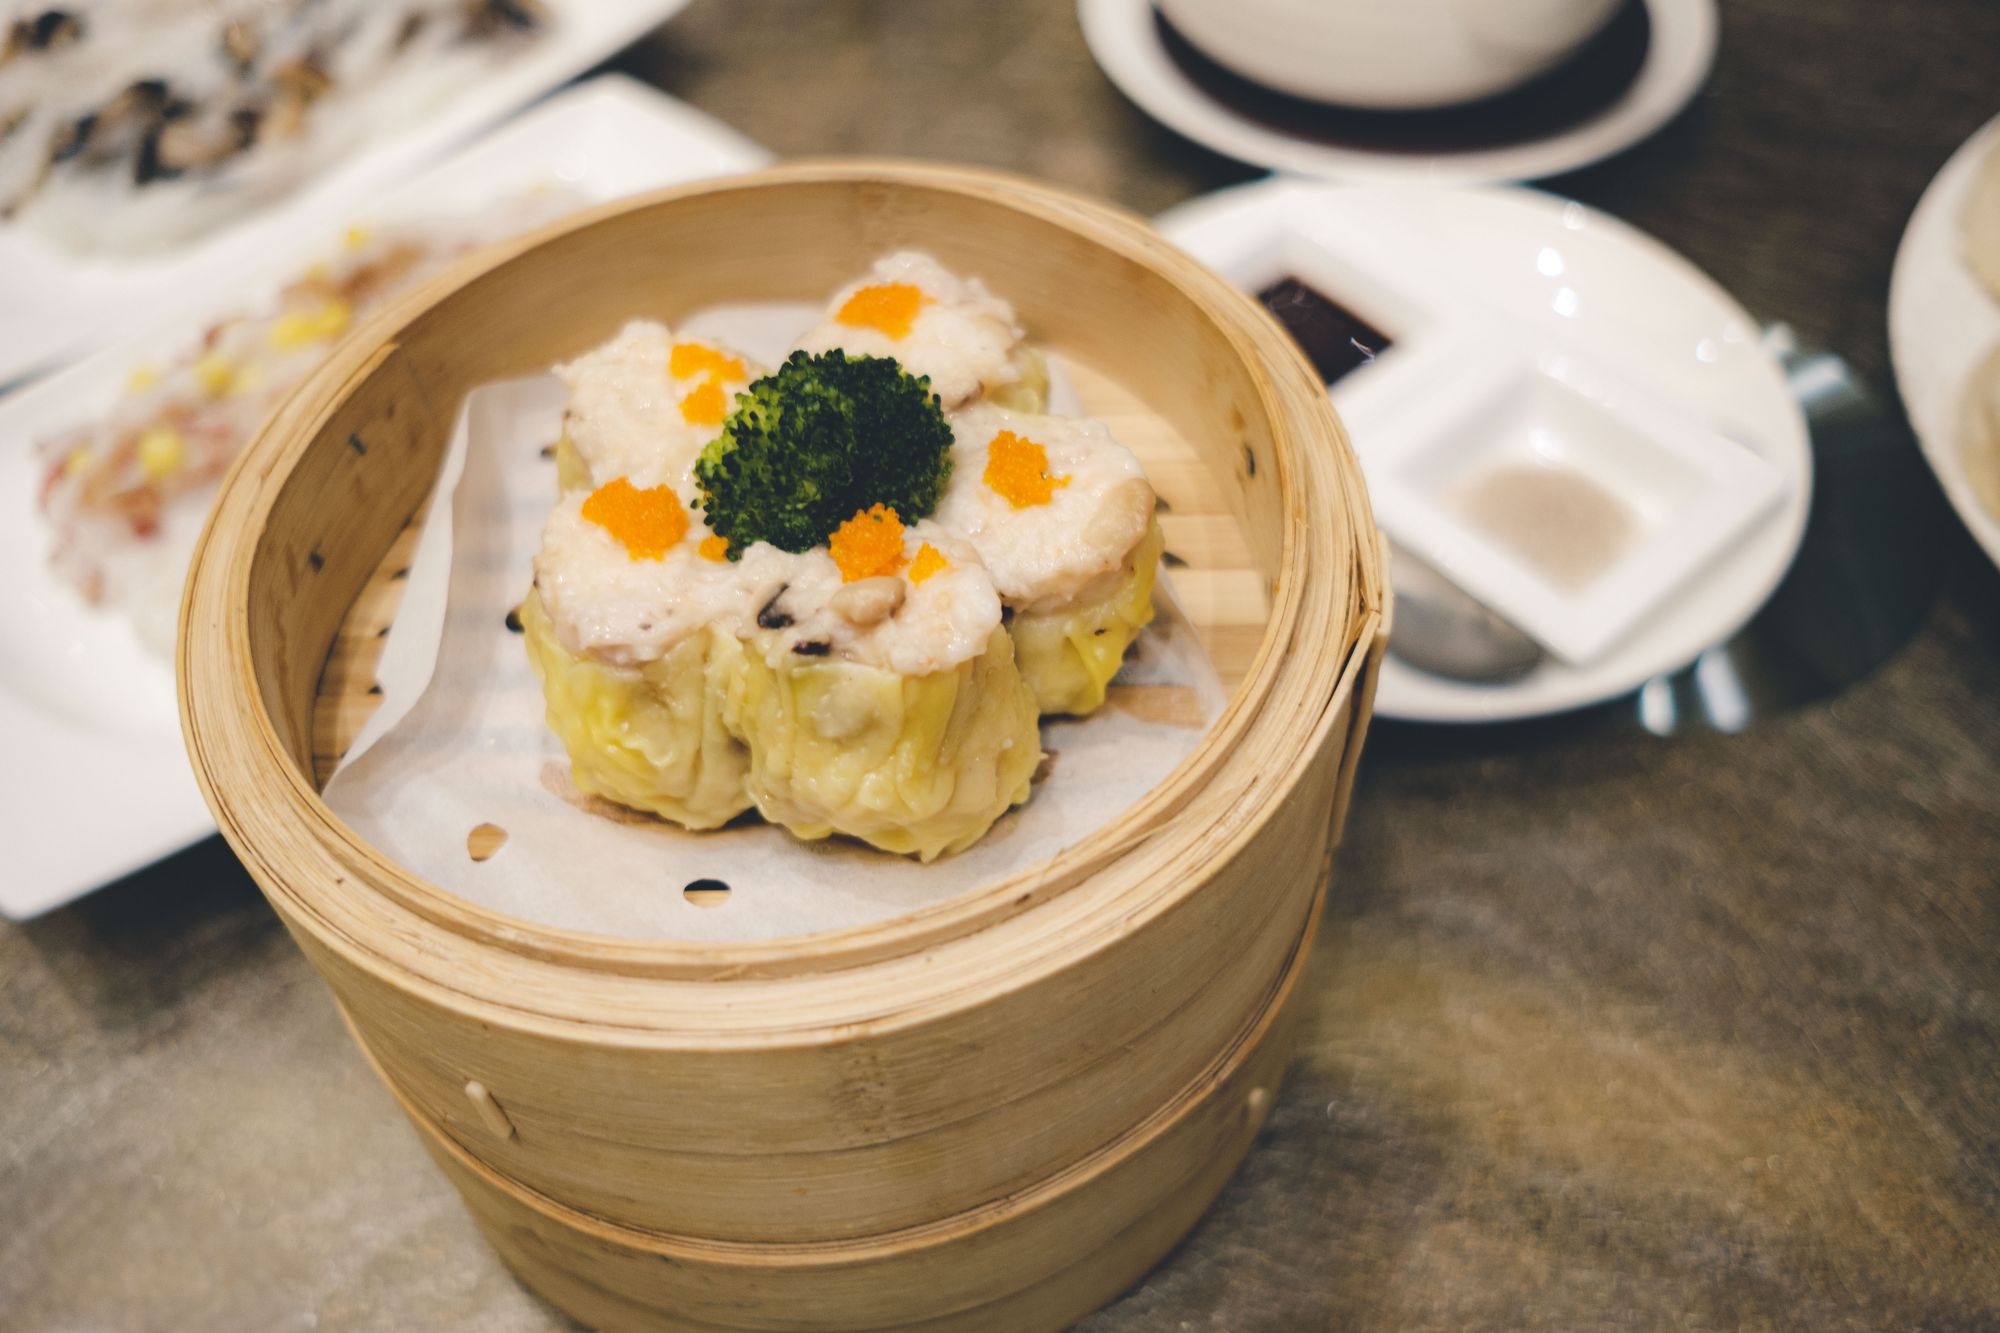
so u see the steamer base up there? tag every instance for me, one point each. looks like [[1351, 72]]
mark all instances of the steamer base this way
[[1041, 1259]]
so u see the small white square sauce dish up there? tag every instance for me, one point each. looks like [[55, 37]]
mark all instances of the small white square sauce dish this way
[[1566, 498]]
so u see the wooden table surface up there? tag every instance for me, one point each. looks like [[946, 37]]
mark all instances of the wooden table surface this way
[[1608, 1029]]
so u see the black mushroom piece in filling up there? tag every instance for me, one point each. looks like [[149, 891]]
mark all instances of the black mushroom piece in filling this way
[[772, 616]]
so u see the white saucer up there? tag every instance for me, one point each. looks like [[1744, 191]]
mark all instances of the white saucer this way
[[1564, 275], [94, 781], [1942, 323], [1125, 40]]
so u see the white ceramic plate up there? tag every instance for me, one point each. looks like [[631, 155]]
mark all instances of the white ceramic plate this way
[[1554, 273], [93, 780], [1942, 323], [60, 304], [1125, 40]]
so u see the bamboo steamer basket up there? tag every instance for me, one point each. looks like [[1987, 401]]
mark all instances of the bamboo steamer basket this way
[[897, 1080], [1093, 1229]]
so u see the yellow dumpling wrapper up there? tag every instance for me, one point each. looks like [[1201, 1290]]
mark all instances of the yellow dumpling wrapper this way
[[572, 473], [1069, 656], [915, 765], [651, 738], [1029, 393]]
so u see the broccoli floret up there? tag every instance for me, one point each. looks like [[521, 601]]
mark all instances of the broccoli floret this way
[[816, 442]]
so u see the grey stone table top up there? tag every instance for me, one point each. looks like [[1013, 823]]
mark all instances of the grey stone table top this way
[[1606, 1030]]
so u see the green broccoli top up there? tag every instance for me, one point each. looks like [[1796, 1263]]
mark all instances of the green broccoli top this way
[[816, 442]]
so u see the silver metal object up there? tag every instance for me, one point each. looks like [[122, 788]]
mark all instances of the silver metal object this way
[[1441, 629]]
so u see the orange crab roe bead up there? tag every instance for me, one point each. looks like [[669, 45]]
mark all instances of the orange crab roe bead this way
[[868, 545], [713, 547], [890, 307], [688, 360], [929, 560], [1017, 470], [649, 523], [706, 406]]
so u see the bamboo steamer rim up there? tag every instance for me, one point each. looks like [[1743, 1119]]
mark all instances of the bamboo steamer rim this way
[[372, 911]]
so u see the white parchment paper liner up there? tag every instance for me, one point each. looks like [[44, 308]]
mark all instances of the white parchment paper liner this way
[[460, 741]]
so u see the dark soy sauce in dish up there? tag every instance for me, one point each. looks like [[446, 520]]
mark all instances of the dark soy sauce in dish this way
[[1335, 339]]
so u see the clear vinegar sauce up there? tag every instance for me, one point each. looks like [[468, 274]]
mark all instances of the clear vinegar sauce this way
[[1568, 527]]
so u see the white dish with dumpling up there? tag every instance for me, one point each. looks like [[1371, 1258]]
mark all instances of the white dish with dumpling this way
[[63, 301], [94, 776], [1944, 330]]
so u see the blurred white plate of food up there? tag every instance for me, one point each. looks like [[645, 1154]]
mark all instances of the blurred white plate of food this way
[[106, 469], [1449, 287], [1944, 330], [1628, 81], [147, 151]]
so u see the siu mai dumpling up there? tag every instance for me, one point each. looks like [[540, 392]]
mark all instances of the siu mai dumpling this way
[[1061, 515], [948, 329], [879, 697]]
